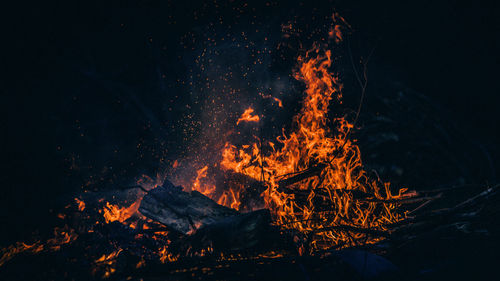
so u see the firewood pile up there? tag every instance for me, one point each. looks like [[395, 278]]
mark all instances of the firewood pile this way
[[207, 239]]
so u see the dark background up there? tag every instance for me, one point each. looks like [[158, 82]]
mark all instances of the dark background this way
[[93, 93]]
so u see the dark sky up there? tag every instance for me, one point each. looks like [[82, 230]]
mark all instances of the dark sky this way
[[91, 86]]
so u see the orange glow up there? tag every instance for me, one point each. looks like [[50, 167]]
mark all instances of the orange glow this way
[[107, 258], [335, 34], [280, 104], [205, 189], [165, 256], [114, 213], [108, 262], [247, 116], [81, 204], [62, 236], [141, 263], [228, 198]]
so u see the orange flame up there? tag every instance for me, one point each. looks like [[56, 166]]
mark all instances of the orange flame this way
[[228, 198], [205, 189], [247, 116], [280, 103], [108, 262], [328, 203], [165, 256], [81, 204], [62, 236], [113, 213]]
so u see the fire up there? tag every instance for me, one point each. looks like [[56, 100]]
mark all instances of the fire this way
[[62, 236], [107, 258], [280, 103], [165, 256], [81, 204], [248, 117], [322, 205], [229, 198], [205, 189], [108, 262], [113, 213]]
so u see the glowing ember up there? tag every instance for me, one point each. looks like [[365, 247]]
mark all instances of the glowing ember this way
[[165, 256], [108, 262]]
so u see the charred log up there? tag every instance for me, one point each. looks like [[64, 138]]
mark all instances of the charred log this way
[[182, 211], [246, 232]]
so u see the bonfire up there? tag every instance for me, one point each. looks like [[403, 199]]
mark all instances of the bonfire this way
[[304, 193]]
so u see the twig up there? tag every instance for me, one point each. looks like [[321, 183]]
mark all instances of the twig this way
[[371, 231]]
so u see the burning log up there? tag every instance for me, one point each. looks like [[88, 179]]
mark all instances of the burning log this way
[[311, 172], [182, 211]]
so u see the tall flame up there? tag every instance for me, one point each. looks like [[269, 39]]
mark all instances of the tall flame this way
[[321, 206]]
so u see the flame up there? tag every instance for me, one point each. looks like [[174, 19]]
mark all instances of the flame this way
[[62, 236], [107, 258], [108, 262], [247, 116], [280, 103], [81, 204], [229, 198], [165, 256], [335, 34], [113, 213], [327, 203], [205, 189], [141, 263], [323, 206]]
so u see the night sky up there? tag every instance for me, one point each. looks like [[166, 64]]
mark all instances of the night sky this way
[[96, 95]]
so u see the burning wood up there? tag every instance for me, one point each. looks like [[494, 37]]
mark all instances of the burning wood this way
[[324, 165]]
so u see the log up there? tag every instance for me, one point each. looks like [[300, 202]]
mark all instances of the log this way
[[182, 211], [311, 172], [234, 234], [208, 225]]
